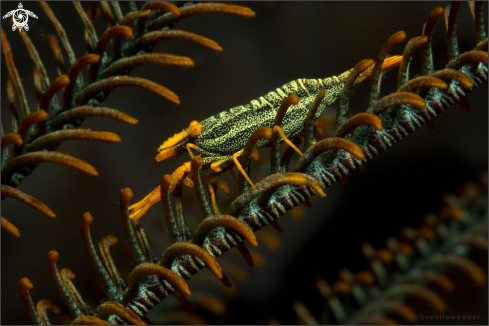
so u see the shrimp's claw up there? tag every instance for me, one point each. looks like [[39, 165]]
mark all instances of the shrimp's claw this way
[[139, 209], [166, 154]]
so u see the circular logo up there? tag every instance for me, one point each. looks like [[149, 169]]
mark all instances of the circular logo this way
[[20, 18]]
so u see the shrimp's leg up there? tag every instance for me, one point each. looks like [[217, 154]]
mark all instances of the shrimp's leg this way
[[240, 168], [285, 139], [189, 149]]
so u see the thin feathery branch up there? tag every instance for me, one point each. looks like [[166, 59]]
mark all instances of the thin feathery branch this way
[[36, 134], [109, 311]]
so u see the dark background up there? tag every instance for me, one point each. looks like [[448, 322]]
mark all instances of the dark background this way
[[286, 41]]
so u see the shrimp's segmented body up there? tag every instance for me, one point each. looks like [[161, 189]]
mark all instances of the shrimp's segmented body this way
[[222, 137], [227, 132]]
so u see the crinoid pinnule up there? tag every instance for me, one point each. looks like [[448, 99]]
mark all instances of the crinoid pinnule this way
[[415, 174], [420, 275], [35, 134]]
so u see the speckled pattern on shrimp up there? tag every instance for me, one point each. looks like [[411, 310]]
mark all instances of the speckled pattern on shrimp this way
[[227, 132]]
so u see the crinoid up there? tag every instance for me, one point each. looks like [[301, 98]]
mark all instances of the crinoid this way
[[435, 273], [314, 46], [111, 56]]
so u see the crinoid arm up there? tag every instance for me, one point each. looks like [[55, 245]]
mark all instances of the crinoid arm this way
[[398, 181], [65, 102]]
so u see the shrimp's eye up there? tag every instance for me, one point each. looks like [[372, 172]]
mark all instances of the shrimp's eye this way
[[195, 128]]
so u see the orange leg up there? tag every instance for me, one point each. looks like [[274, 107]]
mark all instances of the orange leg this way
[[240, 168], [285, 139], [189, 149], [215, 167]]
